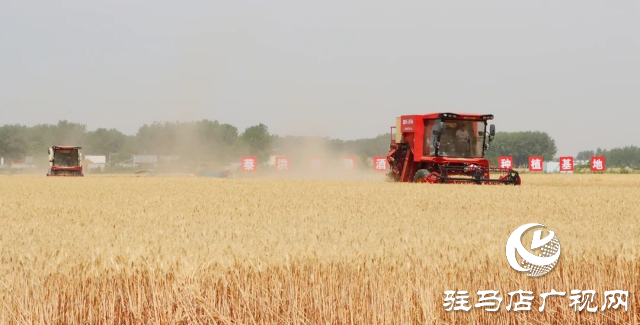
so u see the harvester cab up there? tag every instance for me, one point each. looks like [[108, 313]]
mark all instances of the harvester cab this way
[[65, 161], [445, 148]]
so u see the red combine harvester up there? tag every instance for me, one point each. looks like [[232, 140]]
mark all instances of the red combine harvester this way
[[444, 148], [65, 161]]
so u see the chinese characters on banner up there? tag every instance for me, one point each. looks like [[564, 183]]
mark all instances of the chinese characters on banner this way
[[535, 164], [348, 162], [566, 164], [249, 164], [597, 164], [505, 162], [315, 163], [579, 299], [380, 163], [282, 163]]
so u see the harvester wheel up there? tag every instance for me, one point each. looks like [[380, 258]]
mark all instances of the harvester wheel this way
[[421, 176]]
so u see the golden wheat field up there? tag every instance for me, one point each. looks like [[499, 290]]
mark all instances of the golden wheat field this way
[[194, 250]]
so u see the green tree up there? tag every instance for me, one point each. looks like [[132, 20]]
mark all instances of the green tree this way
[[13, 145], [257, 141], [214, 138], [521, 145], [368, 147], [156, 138], [104, 141], [68, 133], [585, 155], [626, 156]]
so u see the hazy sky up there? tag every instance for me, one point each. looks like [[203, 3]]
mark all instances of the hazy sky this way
[[333, 68]]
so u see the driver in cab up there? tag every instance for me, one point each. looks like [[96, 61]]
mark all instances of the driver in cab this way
[[462, 143], [462, 134]]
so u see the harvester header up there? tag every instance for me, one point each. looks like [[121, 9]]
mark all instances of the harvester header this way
[[444, 148]]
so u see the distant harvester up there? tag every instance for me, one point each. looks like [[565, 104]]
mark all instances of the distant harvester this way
[[65, 161]]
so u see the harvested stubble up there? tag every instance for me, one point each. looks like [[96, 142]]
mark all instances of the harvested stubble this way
[[165, 250]]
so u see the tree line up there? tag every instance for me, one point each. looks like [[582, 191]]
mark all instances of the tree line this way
[[197, 140], [628, 156], [222, 143], [521, 145], [203, 141]]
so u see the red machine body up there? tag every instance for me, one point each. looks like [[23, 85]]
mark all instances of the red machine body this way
[[65, 161], [444, 148]]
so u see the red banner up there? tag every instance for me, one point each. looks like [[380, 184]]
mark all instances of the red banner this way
[[566, 164], [315, 163], [597, 164], [282, 163], [505, 162], [535, 164], [349, 162], [249, 164], [380, 163]]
